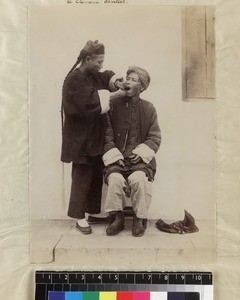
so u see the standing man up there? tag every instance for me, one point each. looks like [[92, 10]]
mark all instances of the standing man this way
[[85, 100], [132, 139]]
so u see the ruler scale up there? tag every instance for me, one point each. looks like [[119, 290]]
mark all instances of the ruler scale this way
[[77, 285]]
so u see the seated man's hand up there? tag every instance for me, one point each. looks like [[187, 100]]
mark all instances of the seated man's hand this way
[[135, 159], [120, 163]]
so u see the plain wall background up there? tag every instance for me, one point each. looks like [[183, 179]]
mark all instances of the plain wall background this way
[[146, 36]]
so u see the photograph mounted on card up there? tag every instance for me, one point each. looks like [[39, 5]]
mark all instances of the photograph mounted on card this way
[[122, 135]]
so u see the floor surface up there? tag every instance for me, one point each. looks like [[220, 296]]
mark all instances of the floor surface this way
[[57, 242]]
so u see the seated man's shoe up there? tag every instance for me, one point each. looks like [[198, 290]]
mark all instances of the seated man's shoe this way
[[118, 223], [138, 228], [84, 229]]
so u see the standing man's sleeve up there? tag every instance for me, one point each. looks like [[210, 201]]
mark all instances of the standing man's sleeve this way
[[79, 99], [105, 84]]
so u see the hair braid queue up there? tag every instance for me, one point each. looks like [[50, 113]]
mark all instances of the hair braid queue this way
[[72, 69], [81, 57]]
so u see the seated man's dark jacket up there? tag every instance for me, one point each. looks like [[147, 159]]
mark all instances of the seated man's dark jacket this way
[[117, 132]]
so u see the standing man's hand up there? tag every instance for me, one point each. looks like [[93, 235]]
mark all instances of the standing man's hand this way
[[118, 94], [119, 82]]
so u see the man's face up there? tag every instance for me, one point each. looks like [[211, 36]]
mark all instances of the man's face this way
[[133, 85], [95, 63]]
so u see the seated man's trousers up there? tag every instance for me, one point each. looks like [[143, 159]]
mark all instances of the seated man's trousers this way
[[140, 191]]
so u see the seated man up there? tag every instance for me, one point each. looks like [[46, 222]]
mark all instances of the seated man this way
[[132, 138]]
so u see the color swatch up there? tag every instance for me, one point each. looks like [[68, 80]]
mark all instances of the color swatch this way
[[80, 285], [52, 295]]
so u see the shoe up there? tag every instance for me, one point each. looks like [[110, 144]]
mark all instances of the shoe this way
[[138, 228], [84, 230], [117, 225], [112, 217], [96, 220]]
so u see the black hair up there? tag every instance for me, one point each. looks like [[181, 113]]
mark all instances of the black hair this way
[[83, 54]]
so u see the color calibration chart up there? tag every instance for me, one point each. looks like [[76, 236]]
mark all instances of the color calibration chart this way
[[77, 285]]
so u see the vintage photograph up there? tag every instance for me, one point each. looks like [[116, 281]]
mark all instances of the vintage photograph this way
[[122, 135]]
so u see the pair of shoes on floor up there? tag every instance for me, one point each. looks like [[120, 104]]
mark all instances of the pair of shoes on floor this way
[[84, 230], [117, 224]]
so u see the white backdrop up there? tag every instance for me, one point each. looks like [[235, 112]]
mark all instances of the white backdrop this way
[[151, 39]]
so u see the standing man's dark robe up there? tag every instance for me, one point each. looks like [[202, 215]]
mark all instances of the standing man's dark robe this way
[[83, 138]]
